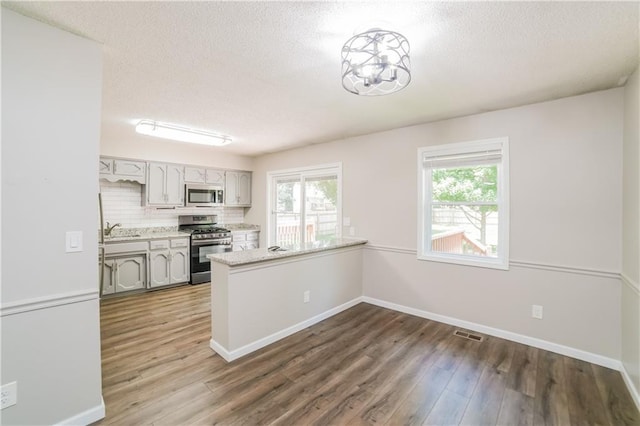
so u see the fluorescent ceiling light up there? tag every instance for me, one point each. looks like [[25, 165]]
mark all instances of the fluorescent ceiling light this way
[[180, 133]]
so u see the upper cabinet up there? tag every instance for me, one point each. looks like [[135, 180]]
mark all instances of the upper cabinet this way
[[113, 170], [164, 182], [215, 177], [203, 175], [165, 185], [238, 189]]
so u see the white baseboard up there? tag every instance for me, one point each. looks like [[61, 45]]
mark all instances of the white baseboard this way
[[261, 343], [220, 350], [635, 393], [508, 335], [86, 417]]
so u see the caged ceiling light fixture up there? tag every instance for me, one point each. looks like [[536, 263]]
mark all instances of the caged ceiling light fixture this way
[[375, 62], [180, 133]]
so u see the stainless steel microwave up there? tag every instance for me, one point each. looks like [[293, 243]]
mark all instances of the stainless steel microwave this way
[[203, 195]]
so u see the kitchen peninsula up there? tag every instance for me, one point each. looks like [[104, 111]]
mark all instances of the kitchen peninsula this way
[[261, 296]]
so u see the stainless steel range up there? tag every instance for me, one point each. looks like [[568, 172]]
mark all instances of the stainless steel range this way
[[206, 238]]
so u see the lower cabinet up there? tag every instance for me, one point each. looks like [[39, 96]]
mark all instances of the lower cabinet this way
[[145, 264], [169, 262], [124, 273]]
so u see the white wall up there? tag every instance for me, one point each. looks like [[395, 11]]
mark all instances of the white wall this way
[[566, 161], [630, 308], [51, 97]]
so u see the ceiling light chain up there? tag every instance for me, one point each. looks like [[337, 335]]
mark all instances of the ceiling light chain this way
[[375, 63]]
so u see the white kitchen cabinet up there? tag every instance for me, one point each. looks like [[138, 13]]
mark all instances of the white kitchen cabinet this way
[[125, 273], [108, 285], [131, 273], [114, 169], [194, 174], [179, 265], [203, 175], [169, 262], [105, 166], [215, 177], [238, 189], [165, 185], [245, 240], [159, 268]]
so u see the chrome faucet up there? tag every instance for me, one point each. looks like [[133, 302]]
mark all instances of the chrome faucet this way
[[108, 229]]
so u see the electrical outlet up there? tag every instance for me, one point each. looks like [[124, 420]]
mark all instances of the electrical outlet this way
[[306, 296], [8, 395], [536, 311], [352, 231]]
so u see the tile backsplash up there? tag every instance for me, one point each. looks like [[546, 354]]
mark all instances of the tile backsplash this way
[[122, 203]]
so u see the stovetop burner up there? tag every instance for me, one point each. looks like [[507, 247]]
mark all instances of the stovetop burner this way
[[208, 230], [202, 227]]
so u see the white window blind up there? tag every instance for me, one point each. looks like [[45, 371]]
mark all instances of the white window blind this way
[[467, 159], [463, 155]]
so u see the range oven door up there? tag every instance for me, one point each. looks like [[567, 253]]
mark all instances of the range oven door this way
[[200, 264]]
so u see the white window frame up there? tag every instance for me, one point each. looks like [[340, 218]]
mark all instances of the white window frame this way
[[304, 172], [425, 203]]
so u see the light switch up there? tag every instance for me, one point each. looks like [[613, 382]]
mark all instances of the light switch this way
[[73, 241]]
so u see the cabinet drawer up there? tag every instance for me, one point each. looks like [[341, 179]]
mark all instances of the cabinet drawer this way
[[252, 236], [182, 242], [158, 244], [239, 237], [117, 248]]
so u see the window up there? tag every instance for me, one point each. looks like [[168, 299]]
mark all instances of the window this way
[[464, 203], [305, 205]]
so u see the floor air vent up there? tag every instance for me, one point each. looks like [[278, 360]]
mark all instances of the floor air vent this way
[[474, 337]]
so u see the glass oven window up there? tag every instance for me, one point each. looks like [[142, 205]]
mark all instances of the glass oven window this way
[[206, 250]]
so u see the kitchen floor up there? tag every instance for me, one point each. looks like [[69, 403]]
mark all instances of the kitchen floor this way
[[365, 365]]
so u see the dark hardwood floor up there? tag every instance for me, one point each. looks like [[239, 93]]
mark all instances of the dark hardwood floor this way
[[367, 365]]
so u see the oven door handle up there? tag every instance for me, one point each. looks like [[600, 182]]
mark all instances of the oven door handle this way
[[225, 242]]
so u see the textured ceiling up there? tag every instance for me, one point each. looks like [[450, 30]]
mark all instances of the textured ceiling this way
[[268, 73]]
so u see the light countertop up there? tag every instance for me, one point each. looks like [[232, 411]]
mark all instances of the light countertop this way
[[141, 234], [163, 232], [244, 257], [241, 227]]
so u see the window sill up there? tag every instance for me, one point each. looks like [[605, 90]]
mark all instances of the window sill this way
[[491, 263]]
